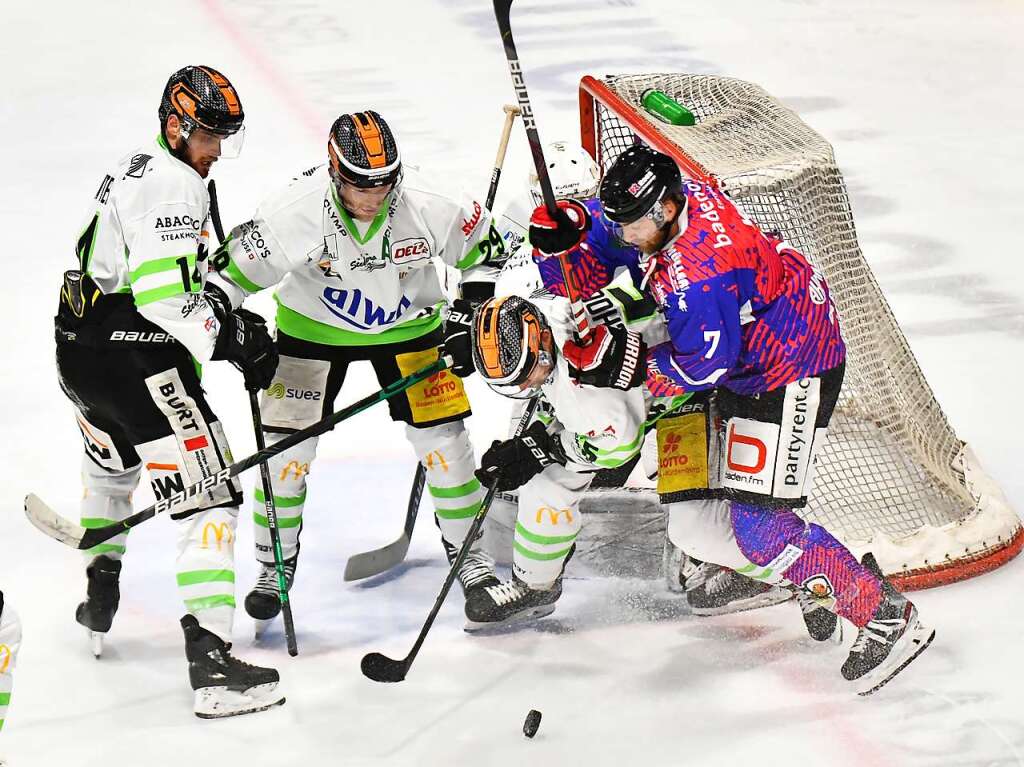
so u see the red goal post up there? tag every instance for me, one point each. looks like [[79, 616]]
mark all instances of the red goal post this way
[[893, 478]]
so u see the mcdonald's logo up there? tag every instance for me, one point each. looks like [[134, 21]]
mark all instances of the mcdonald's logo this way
[[553, 515], [221, 532], [6, 656], [299, 470], [441, 462]]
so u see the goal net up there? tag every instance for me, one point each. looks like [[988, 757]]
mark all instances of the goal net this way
[[893, 477]]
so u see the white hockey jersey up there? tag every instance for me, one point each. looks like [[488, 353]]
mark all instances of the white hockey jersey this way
[[146, 234], [344, 282], [599, 428]]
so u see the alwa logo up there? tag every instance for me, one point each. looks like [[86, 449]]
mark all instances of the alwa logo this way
[[358, 311]]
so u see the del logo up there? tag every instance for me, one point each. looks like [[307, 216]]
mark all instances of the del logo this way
[[468, 225], [413, 249], [360, 312], [221, 534]]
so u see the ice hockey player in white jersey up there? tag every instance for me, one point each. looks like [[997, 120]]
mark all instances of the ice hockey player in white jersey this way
[[133, 322], [10, 643], [350, 247], [580, 429]]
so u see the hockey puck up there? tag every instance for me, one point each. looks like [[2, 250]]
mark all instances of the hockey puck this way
[[532, 723]]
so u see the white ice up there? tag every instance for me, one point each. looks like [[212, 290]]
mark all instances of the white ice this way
[[922, 100]]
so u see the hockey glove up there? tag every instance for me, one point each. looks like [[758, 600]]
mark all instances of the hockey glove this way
[[556, 235], [457, 342], [243, 340], [614, 359], [516, 461]]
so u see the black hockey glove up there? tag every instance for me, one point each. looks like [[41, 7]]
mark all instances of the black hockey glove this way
[[516, 461], [554, 235], [457, 341], [614, 359], [243, 340]]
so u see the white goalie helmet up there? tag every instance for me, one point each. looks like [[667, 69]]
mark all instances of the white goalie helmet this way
[[572, 170]]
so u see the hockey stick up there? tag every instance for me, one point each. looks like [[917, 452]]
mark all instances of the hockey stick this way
[[572, 287], [270, 505], [380, 560], [381, 668], [76, 536]]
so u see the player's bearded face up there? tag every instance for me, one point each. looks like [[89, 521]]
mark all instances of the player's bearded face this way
[[202, 150], [363, 204], [643, 233]]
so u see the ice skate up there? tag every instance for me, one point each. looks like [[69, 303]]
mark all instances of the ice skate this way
[[715, 590], [822, 624], [888, 643], [225, 686], [677, 566], [103, 593], [509, 602], [477, 571], [263, 603]]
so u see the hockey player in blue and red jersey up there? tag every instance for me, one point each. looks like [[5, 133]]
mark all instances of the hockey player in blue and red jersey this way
[[600, 262], [749, 317]]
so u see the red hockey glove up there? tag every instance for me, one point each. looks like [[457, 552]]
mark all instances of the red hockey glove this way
[[614, 359], [553, 236]]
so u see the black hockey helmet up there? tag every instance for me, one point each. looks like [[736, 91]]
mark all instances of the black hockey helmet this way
[[636, 183], [202, 97], [363, 152]]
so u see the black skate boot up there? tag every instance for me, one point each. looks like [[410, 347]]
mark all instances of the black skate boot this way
[[677, 566], [103, 593], [477, 571], [509, 602], [715, 590], [822, 624], [224, 685], [264, 602], [889, 642]]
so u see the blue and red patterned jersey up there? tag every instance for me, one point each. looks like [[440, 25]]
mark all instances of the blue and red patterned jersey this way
[[596, 259], [744, 310]]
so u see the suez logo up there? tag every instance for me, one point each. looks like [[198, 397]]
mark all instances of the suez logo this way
[[773, 459], [278, 390]]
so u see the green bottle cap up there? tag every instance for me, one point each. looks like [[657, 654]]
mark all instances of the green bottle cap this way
[[665, 108]]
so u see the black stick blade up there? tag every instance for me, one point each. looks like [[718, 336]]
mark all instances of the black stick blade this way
[[381, 668]]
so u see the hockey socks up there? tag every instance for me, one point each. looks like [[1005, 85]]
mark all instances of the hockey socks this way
[[807, 555]]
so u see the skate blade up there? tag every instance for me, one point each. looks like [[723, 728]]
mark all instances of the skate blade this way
[[220, 702], [775, 596], [261, 626], [521, 617], [95, 642], [917, 638]]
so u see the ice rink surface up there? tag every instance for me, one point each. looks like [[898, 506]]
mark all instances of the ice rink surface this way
[[921, 99]]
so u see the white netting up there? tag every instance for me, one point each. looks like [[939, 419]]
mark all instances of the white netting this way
[[892, 465]]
